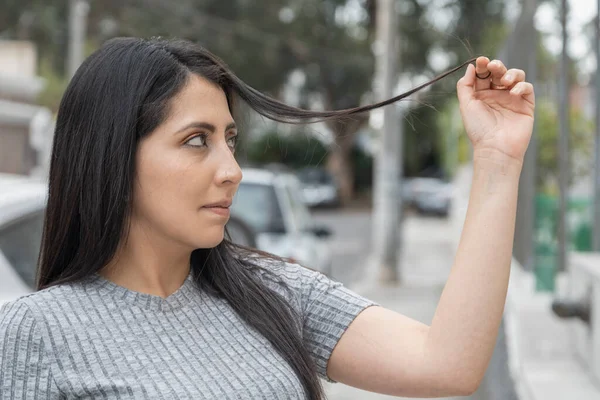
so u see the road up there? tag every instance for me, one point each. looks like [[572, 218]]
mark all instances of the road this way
[[351, 246], [350, 243]]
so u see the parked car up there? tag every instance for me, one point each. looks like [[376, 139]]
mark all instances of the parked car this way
[[430, 196], [22, 207], [271, 204], [319, 188]]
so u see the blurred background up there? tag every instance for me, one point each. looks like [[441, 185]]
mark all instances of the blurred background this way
[[376, 202]]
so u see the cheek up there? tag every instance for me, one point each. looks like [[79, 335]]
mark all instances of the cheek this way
[[166, 165], [168, 194], [167, 183]]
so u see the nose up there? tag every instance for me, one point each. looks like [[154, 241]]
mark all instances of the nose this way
[[229, 171]]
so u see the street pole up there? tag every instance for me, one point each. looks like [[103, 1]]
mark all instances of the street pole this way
[[529, 174], [78, 11], [520, 51], [387, 199], [596, 202], [563, 143]]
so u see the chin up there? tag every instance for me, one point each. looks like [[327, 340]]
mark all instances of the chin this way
[[211, 240]]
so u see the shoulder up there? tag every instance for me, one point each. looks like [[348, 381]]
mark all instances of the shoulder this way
[[40, 299], [17, 323], [295, 281], [25, 353], [21, 312], [42, 305], [289, 274]]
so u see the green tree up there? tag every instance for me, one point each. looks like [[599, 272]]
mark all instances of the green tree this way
[[43, 22], [295, 151], [581, 143], [329, 41], [477, 28]]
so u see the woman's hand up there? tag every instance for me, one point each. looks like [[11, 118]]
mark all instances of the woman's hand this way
[[498, 111]]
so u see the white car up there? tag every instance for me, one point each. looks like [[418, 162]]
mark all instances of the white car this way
[[271, 204], [428, 195], [22, 207]]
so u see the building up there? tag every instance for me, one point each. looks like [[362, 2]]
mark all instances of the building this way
[[26, 128]]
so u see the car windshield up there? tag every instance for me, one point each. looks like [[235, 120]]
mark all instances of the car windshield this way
[[257, 205], [20, 243], [299, 211], [315, 176]]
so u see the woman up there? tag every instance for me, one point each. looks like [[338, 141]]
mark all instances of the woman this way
[[140, 296]]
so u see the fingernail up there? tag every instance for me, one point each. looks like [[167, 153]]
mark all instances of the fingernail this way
[[508, 77]]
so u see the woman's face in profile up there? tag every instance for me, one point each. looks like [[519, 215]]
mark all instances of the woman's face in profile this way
[[186, 173]]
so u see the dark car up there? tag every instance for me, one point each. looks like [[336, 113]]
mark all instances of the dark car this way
[[319, 188]]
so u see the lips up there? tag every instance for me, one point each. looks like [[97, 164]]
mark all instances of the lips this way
[[222, 204], [220, 208]]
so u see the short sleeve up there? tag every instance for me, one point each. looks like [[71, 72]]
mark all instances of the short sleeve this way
[[328, 308], [24, 366]]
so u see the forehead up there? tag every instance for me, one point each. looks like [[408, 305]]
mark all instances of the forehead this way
[[200, 99]]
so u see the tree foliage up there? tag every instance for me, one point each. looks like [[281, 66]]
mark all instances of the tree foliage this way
[[581, 146], [328, 41]]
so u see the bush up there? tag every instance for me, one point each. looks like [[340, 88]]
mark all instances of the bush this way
[[296, 150], [300, 150]]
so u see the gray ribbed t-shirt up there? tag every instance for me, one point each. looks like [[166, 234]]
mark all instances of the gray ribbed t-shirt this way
[[95, 339]]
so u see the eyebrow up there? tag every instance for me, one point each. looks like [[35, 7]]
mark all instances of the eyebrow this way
[[207, 126]]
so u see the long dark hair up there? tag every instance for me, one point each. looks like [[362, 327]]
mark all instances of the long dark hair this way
[[120, 94]]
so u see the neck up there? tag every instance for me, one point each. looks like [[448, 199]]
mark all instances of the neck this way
[[148, 264]]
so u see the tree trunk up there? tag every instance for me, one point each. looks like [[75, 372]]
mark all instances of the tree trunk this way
[[340, 162]]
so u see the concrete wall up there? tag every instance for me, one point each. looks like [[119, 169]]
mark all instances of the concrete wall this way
[[584, 286], [25, 128], [18, 58], [16, 155]]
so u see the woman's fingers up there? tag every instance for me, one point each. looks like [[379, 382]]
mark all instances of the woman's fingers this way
[[525, 90], [482, 72], [465, 86], [498, 70], [493, 74], [512, 77]]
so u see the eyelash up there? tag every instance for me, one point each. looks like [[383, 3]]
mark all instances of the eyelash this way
[[204, 137]]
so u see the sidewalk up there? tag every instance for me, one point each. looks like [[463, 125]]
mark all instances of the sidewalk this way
[[543, 360]]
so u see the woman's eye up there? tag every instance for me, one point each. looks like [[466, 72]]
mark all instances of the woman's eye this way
[[232, 141], [197, 141]]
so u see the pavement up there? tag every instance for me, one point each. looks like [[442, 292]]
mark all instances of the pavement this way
[[350, 242], [543, 360]]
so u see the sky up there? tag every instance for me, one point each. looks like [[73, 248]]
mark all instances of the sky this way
[[582, 12], [547, 21]]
